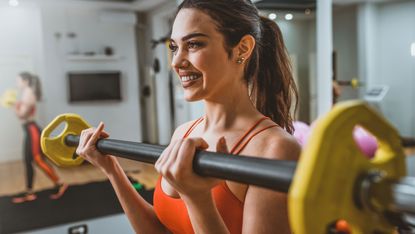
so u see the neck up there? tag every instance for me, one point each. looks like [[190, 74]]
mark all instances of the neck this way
[[227, 109]]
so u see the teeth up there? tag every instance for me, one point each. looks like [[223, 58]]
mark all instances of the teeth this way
[[188, 78]]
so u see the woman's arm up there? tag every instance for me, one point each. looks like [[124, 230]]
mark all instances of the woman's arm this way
[[204, 215], [265, 211], [141, 214]]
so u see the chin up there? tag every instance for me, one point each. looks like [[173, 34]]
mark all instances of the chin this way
[[192, 98]]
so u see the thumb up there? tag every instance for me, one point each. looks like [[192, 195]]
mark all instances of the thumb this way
[[221, 146]]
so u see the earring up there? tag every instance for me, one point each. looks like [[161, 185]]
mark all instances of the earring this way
[[240, 60]]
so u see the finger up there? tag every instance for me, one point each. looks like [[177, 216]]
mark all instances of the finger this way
[[188, 150], [170, 166], [221, 146], [96, 134], [87, 136], [104, 134], [84, 137], [163, 157], [200, 143]]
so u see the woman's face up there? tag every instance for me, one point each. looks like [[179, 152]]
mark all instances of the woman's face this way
[[199, 56]]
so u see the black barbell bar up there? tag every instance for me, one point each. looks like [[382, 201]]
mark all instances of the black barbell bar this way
[[272, 174], [276, 175]]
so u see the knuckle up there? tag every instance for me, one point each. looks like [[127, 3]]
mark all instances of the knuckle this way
[[177, 173], [165, 171], [189, 142]]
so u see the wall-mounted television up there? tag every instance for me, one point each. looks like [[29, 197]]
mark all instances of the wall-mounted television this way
[[94, 86]]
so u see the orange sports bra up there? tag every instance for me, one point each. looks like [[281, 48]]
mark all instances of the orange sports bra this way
[[172, 212]]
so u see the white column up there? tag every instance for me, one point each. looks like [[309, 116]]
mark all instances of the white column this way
[[324, 56], [366, 29]]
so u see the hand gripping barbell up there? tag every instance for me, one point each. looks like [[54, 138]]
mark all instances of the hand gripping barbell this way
[[332, 180]]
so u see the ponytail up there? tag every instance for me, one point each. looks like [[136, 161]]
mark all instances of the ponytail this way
[[273, 88], [34, 83]]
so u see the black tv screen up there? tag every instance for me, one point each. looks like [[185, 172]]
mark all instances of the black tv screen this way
[[94, 86]]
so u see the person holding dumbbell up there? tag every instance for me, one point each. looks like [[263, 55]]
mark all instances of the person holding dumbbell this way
[[25, 109], [235, 61]]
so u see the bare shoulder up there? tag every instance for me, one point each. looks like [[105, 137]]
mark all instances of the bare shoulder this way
[[276, 143], [181, 130]]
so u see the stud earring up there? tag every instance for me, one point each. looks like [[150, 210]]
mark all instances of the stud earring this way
[[240, 60]]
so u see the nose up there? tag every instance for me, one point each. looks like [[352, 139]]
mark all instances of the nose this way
[[180, 60]]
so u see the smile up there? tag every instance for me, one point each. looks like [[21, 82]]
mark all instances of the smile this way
[[189, 78]]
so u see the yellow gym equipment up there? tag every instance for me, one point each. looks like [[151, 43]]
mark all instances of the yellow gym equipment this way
[[8, 99], [332, 181]]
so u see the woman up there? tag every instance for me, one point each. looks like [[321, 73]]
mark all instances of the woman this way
[[25, 109], [235, 61]]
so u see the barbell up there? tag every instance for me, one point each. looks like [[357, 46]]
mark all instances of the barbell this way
[[332, 180]]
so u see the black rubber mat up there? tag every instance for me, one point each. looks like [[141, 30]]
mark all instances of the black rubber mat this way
[[79, 203]]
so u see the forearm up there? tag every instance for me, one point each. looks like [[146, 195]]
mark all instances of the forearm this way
[[204, 215], [141, 214]]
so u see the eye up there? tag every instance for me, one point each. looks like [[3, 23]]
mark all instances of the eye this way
[[194, 44], [172, 47]]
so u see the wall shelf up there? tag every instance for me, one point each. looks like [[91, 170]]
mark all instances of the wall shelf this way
[[96, 57]]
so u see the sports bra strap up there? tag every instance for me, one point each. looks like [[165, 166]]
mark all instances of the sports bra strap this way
[[247, 133], [249, 139], [194, 124], [237, 148]]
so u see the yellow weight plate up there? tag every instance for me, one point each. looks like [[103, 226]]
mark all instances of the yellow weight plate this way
[[330, 165], [55, 148]]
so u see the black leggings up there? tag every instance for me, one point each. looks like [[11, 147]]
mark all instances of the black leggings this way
[[32, 152]]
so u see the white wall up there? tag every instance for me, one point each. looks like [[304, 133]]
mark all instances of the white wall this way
[[300, 37], [394, 64], [345, 46], [17, 53], [160, 23], [49, 60], [122, 119]]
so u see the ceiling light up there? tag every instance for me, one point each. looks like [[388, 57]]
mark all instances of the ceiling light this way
[[289, 16], [13, 3], [413, 49], [272, 16]]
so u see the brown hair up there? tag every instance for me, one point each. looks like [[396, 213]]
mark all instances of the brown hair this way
[[268, 72], [33, 82]]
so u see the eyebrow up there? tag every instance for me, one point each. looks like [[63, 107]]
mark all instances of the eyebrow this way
[[192, 35]]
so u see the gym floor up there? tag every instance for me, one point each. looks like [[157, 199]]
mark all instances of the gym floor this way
[[12, 175]]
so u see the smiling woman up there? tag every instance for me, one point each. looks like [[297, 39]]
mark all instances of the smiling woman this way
[[236, 62]]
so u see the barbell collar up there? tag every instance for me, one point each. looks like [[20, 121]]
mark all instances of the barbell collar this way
[[403, 195], [273, 174], [392, 197]]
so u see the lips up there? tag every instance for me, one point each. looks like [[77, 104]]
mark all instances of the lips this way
[[189, 79]]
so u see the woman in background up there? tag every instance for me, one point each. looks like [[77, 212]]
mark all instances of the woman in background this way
[[25, 109]]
